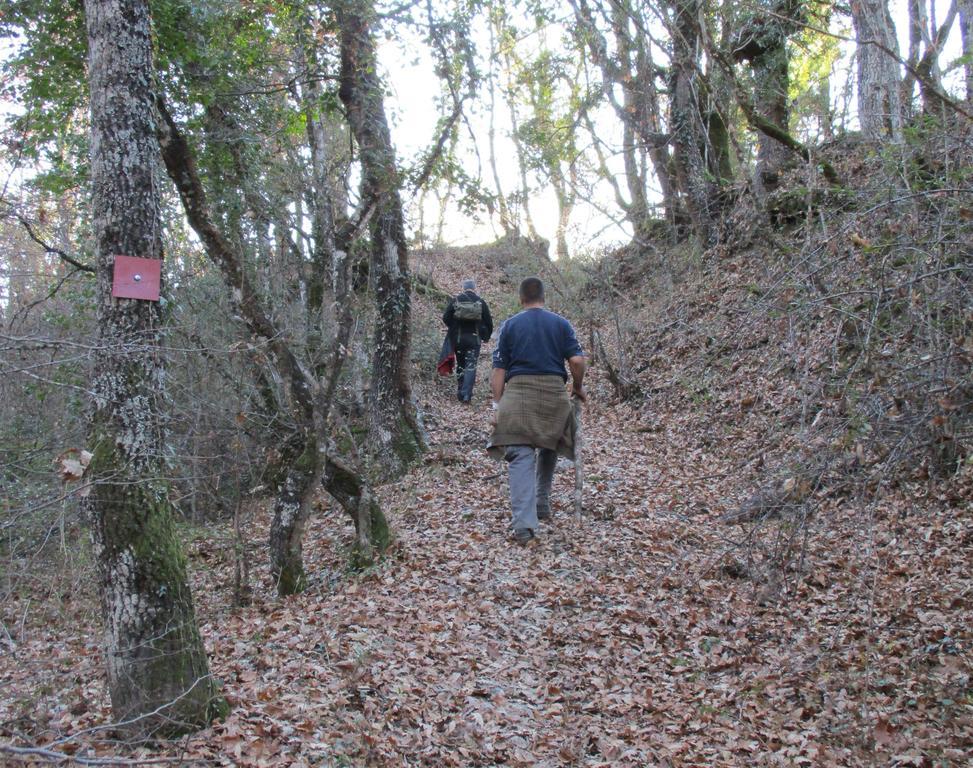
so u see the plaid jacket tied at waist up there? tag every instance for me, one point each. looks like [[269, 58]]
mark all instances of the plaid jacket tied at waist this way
[[534, 410]]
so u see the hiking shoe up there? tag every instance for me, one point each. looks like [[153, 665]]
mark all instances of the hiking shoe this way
[[544, 513], [523, 535]]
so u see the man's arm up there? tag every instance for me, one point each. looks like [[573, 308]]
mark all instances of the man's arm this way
[[497, 381], [577, 366], [448, 314], [487, 322]]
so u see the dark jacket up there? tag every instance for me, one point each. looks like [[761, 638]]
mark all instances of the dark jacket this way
[[483, 329]]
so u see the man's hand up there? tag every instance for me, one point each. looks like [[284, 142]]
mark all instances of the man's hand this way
[[497, 383], [577, 366], [494, 413]]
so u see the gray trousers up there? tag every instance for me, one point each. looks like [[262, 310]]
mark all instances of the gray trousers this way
[[530, 474]]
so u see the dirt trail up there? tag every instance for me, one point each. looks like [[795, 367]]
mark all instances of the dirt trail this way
[[539, 655]]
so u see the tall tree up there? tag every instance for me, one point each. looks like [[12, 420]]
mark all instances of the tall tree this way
[[157, 668], [632, 72], [966, 34], [502, 34], [507, 223], [689, 134], [879, 79], [762, 41], [394, 430], [237, 197], [307, 399], [550, 85]]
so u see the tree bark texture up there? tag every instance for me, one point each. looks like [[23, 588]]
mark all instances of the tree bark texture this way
[[879, 79], [686, 120], [158, 675], [394, 431], [966, 35]]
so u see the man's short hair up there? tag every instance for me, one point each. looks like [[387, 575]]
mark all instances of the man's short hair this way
[[531, 290]]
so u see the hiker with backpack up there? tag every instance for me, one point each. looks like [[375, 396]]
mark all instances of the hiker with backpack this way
[[467, 318], [534, 423]]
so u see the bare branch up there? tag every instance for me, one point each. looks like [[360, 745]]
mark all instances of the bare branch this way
[[32, 234]]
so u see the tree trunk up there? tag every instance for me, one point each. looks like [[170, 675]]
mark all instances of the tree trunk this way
[[879, 79], [322, 211], [762, 42], [564, 191], [292, 507], [524, 201], [686, 120], [506, 223], [917, 26], [351, 492], [770, 76], [633, 71], [719, 160], [926, 69], [303, 467], [394, 431], [157, 667], [966, 30]]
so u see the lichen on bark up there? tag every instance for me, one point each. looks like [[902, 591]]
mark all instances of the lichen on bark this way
[[157, 670], [158, 675]]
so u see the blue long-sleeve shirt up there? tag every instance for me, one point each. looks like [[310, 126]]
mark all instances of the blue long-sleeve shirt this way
[[535, 341]]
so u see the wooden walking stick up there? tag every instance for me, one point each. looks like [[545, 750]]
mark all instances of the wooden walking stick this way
[[578, 457]]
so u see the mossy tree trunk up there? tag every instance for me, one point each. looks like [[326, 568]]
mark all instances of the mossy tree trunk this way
[[762, 41], [686, 111], [371, 526], [158, 675], [394, 431], [291, 511]]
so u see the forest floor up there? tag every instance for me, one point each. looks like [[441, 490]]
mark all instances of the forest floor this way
[[638, 635]]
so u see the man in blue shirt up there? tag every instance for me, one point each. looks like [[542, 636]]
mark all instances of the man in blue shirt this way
[[533, 412]]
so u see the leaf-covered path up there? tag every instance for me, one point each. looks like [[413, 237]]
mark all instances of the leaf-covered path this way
[[466, 649], [624, 639]]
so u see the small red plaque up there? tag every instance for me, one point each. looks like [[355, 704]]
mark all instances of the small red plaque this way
[[136, 278]]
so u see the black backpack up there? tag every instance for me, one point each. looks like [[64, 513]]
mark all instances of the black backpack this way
[[468, 310]]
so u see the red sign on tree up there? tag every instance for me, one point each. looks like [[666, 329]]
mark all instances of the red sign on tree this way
[[136, 278]]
